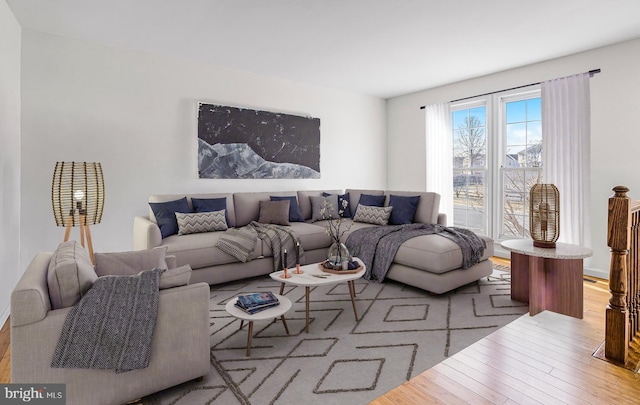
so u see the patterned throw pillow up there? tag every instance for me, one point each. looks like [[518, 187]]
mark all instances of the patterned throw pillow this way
[[199, 222], [373, 215]]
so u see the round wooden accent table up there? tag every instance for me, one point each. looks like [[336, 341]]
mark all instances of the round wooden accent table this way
[[547, 279]]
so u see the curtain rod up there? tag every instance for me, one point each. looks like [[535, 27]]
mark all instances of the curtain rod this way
[[591, 73]]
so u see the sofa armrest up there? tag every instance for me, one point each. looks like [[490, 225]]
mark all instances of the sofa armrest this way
[[146, 234], [30, 298], [442, 219]]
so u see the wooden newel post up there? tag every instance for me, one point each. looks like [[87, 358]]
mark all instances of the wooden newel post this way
[[617, 315]]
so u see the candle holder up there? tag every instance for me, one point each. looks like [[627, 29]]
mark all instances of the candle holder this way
[[298, 270], [286, 274]]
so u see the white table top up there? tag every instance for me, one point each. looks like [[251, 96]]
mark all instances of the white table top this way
[[307, 279], [561, 251], [274, 312]]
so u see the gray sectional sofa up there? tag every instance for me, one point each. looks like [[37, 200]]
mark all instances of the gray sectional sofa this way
[[429, 262]]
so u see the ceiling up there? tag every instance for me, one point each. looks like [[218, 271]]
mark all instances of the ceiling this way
[[382, 48]]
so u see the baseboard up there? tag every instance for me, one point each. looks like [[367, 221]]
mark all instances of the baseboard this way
[[590, 271]]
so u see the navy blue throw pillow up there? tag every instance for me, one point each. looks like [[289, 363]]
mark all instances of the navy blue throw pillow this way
[[371, 201], [345, 210], [165, 213], [404, 209], [210, 205], [295, 215]]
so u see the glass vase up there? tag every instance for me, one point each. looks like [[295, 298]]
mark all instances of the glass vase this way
[[338, 254]]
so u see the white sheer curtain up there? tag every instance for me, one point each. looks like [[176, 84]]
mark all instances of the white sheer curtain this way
[[440, 156], [566, 159]]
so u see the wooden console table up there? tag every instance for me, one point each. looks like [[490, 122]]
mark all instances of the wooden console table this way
[[547, 279]]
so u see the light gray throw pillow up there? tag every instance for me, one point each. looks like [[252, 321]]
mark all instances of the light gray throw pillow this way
[[373, 215], [70, 274], [130, 263], [274, 212], [175, 277], [324, 205]]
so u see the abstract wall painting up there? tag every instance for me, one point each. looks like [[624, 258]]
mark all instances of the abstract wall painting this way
[[241, 143]]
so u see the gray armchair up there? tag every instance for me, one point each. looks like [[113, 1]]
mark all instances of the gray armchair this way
[[179, 353]]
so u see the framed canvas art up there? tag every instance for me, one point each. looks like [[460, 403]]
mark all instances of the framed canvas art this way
[[241, 143]]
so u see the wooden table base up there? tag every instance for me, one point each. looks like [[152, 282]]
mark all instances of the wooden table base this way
[[548, 284]]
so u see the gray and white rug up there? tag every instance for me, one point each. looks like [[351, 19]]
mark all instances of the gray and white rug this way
[[402, 331]]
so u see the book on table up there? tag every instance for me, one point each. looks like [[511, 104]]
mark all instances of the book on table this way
[[255, 302]]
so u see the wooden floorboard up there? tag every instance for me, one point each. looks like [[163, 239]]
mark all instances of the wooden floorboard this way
[[545, 359], [542, 359]]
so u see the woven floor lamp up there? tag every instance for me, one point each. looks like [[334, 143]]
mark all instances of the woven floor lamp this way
[[77, 196]]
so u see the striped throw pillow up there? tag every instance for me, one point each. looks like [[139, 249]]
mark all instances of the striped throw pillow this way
[[372, 215], [199, 222]]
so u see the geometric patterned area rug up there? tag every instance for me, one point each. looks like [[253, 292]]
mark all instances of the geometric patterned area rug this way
[[402, 331]]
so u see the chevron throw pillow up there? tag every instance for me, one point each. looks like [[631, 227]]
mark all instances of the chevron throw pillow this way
[[201, 222], [373, 215]]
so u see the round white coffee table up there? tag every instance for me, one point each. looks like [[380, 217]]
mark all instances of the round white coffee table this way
[[274, 312], [312, 276]]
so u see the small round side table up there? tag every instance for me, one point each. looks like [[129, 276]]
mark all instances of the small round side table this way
[[274, 312]]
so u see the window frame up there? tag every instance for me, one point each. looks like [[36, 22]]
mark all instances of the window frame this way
[[496, 133]]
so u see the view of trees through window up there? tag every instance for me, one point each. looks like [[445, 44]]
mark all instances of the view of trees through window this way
[[496, 162], [469, 168]]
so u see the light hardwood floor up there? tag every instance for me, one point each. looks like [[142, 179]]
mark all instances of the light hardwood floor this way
[[546, 359]]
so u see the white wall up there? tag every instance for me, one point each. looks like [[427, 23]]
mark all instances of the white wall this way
[[10, 269], [136, 114], [615, 133]]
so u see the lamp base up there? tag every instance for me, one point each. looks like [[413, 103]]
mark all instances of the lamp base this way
[[542, 244]]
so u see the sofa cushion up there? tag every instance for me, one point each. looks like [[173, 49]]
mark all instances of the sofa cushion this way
[[130, 263], [312, 236], [274, 212], [435, 254], [344, 206], [373, 215], [175, 277], [199, 250], [404, 209], [164, 213], [324, 207], [70, 274], [199, 222], [294, 209], [210, 205]]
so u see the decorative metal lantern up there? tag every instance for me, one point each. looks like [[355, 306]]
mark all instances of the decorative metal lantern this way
[[544, 215]]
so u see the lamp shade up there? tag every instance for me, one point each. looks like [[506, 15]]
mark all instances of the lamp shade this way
[[544, 215], [77, 191]]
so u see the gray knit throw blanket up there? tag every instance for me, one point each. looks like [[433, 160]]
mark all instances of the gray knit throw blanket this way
[[112, 325], [377, 247], [240, 242]]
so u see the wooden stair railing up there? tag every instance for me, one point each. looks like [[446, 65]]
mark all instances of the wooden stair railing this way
[[623, 311]]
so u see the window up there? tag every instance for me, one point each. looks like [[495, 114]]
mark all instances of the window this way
[[497, 157]]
